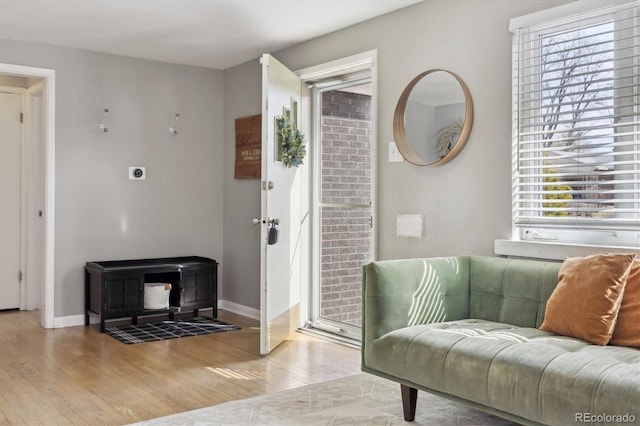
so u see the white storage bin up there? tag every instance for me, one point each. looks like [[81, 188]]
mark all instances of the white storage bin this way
[[156, 295]]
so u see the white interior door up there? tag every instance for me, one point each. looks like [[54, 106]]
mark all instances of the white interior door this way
[[279, 204], [10, 137]]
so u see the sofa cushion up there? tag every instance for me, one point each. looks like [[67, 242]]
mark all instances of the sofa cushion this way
[[627, 331], [525, 371], [586, 301], [512, 291]]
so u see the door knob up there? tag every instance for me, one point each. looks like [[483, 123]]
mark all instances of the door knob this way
[[256, 221]]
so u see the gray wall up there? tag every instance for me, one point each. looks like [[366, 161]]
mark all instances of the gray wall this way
[[466, 203], [241, 203], [100, 214], [420, 128]]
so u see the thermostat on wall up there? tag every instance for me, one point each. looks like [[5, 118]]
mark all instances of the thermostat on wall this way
[[137, 173]]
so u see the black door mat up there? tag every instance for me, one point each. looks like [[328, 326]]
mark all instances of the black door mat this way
[[150, 332]]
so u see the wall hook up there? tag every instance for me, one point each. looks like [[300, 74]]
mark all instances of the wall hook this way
[[101, 126], [172, 128]]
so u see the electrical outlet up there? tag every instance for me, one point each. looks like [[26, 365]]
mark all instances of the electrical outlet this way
[[137, 173], [394, 154]]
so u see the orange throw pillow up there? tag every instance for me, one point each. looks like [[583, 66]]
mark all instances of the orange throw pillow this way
[[627, 331], [586, 301]]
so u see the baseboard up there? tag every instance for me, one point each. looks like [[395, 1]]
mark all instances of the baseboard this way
[[236, 308], [72, 321], [75, 320]]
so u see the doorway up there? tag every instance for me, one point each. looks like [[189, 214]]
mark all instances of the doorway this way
[[343, 188], [22, 190], [36, 176]]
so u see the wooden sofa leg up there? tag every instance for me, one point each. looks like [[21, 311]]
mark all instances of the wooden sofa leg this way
[[409, 398]]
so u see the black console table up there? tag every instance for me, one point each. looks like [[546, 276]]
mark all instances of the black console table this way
[[115, 288]]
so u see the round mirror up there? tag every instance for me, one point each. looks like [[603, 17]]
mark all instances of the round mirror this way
[[433, 118]]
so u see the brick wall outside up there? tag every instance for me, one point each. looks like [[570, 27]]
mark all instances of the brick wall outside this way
[[346, 179]]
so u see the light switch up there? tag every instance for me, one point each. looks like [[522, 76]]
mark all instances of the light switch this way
[[394, 154], [409, 225]]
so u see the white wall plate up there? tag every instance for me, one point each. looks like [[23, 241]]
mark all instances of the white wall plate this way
[[410, 225]]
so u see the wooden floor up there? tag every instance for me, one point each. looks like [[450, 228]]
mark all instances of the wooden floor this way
[[77, 375]]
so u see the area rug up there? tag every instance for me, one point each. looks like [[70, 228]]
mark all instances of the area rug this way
[[362, 399], [149, 332]]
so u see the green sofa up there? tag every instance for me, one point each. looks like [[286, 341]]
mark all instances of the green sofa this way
[[466, 328]]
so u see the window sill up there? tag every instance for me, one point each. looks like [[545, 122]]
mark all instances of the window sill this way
[[553, 251]]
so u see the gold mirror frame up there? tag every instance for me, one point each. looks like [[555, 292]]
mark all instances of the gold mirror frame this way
[[399, 132]]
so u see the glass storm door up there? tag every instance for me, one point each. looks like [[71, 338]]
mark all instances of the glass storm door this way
[[343, 201]]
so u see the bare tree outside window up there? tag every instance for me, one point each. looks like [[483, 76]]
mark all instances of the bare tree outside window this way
[[577, 101]]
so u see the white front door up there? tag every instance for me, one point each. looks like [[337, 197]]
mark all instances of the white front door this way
[[280, 209], [10, 137]]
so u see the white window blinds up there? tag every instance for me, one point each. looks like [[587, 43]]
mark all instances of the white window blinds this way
[[576, 148]]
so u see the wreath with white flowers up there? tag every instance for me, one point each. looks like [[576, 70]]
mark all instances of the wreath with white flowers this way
[[291, 141]]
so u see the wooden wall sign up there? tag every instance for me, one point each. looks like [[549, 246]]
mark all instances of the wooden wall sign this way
[[248, 147]]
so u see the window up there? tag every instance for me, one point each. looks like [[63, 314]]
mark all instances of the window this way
[[576, 111]]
